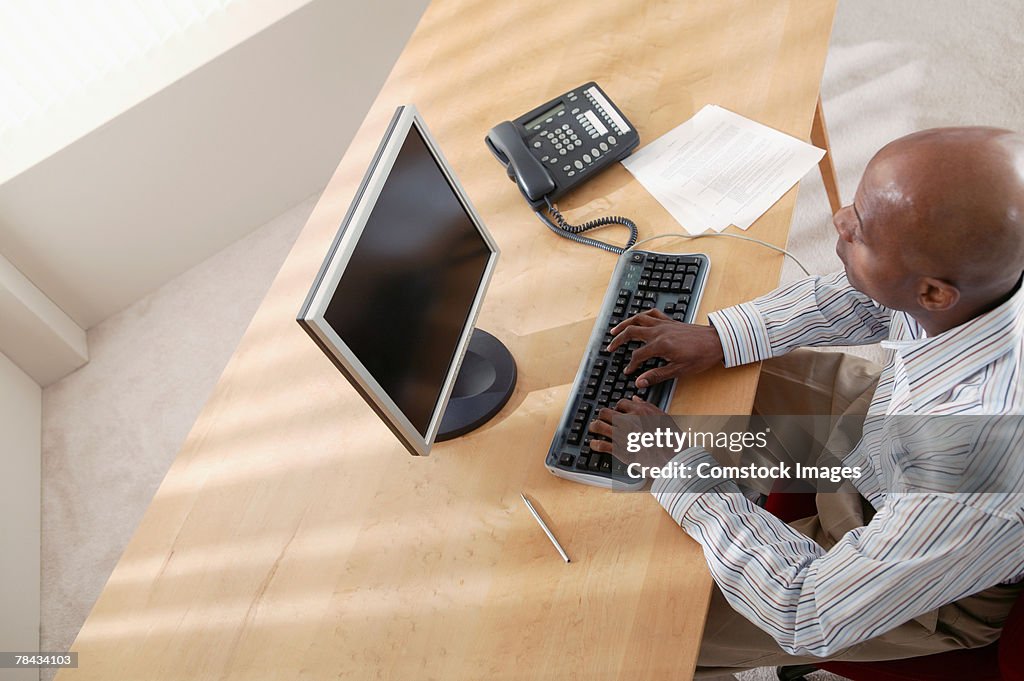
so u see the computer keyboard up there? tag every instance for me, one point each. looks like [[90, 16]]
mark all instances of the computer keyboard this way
[[642, 280]]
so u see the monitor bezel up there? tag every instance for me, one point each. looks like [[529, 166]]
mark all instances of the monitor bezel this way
[[311, 316]]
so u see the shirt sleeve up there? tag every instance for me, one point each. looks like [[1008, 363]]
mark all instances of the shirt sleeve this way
[[823, 310], [920, 552]]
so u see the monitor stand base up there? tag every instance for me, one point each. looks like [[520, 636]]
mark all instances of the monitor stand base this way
[[485, 382]]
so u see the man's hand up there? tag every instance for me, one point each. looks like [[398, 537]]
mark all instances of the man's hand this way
[[603, 424], [688, 348]]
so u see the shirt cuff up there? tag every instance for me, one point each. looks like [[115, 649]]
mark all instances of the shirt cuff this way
[[743, 334], [678, 494]]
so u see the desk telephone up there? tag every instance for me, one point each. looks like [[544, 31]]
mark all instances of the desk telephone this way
[[562, 143]]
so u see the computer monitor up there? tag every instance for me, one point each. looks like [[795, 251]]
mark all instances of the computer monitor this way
[[395, 302]]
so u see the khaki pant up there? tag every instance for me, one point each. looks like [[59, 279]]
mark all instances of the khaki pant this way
[[834, 384]]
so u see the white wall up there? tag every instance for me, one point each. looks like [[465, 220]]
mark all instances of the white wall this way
[[111, 217], [20, 428]]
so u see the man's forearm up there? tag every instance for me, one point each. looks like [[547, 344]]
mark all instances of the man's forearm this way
[[811, 312]]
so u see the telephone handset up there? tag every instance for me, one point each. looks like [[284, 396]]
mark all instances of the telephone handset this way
[[561, 144]]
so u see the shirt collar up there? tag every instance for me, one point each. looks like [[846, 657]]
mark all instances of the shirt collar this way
[[935, 364]]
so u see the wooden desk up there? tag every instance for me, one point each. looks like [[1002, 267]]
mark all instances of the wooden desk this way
[[294, 538]]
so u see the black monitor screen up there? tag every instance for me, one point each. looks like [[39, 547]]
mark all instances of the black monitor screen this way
[[407, 291]]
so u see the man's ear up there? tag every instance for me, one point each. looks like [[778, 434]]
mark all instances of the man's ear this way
[[936, 295]]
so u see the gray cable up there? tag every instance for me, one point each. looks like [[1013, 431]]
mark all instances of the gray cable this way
[[731, 236]]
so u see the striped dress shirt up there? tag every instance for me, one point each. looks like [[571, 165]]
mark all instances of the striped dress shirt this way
[[928, 544]]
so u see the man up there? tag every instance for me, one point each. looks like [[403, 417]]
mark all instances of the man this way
[[933, 251]]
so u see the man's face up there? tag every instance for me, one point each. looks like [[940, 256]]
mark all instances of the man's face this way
[[872, 234]]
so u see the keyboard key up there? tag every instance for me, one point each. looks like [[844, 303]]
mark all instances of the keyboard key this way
[[566, 459]]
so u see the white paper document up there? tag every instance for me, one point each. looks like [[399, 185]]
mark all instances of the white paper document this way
[[719, 169]]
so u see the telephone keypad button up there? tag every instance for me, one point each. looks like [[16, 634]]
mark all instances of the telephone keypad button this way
[[586, 158], [604, 147], [544, 158], [611, 139], [571, 173], [536, 145], [553, 161], [567, 168], [578, 164], [561, 152]]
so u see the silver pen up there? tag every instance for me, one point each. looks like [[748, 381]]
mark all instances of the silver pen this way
[[544, 527]]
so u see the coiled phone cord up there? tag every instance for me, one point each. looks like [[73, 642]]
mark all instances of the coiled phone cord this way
[[575, 232]]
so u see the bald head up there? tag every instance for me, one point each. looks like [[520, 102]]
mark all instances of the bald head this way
[[957, 195], [937, 227]]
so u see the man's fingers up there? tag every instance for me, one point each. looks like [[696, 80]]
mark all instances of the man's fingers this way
[[602, 424], [653, 376], [631, 333], [645, 318], [639, 356], [624, 324], [634, 405]]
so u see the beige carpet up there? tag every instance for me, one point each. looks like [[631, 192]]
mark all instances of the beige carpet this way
[[111, 429]]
